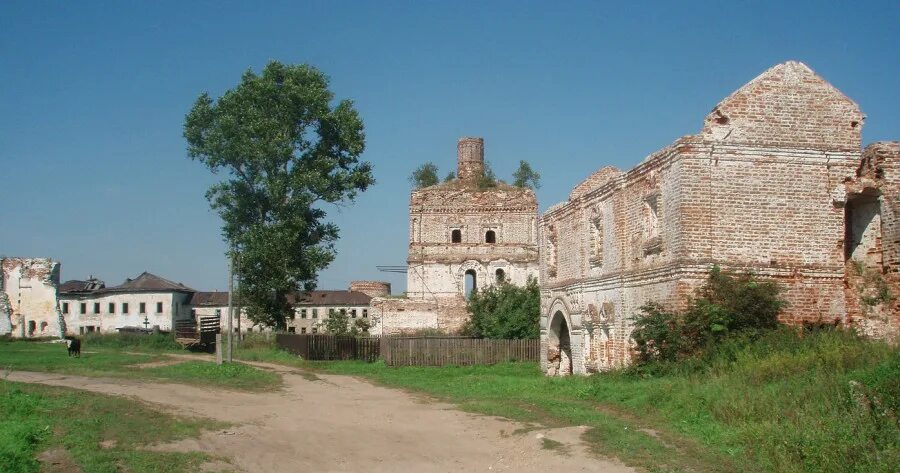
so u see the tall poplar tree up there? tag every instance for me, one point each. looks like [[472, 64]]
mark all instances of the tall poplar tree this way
[[286, 150]]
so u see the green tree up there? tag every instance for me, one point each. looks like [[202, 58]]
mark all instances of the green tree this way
[[488, 179], [450, 176], [505, 310], [339, 323], [424, 175], [525, 176], [286, 151]]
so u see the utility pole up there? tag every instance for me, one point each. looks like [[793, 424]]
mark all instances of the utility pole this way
[[230, 305], [237, 303]]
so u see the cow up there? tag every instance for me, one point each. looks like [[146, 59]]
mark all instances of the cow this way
[[74, 346]]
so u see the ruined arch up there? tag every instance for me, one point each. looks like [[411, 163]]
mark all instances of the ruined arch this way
[[559, 345]]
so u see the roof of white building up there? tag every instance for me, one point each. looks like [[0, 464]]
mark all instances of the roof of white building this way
[[148, 282]]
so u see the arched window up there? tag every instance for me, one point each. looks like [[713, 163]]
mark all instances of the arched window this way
[[456, 236], [501, 275], [490, 237], [471, 283]]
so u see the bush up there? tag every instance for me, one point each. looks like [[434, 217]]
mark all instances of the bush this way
[[505, 311], [339, 323], [728, 306], [131, 341]]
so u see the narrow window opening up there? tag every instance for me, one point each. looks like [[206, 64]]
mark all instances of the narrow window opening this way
[[159, 307], [456, 236], [501, 275], [471, 283], [490, 237], [863, 230]]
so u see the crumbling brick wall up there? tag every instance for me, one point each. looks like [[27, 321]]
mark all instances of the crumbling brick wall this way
[[760, 188], [30, 287], [496, 228], [872, 209]]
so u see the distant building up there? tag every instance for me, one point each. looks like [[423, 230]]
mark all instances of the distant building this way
[[146, 301], [310, 308]]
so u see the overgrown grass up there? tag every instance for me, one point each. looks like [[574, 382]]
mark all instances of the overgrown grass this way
[[131, 341], [824, 402], [229, 375], [98, 361], [36, 418]]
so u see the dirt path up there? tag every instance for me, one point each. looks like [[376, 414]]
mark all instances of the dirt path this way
[[329, 423]]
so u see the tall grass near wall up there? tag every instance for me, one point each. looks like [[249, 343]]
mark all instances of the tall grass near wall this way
[[822, 401]]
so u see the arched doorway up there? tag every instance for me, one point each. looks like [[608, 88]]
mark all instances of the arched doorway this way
[[559, 347]]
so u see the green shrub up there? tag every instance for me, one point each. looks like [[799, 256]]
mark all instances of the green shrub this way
[[727, 306], [505, 311], [131, 341]]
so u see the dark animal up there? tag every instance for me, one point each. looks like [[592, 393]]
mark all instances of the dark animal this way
[[74, 345]]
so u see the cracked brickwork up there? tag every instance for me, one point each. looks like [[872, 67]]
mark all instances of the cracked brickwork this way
[[28, 305], [496, 229], [763, 187]]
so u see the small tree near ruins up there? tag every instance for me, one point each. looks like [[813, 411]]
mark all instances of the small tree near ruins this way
[[287, 151]]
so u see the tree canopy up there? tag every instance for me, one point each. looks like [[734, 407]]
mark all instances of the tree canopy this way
[[504, 310], [285, 150], [424, 175], [525, 176]]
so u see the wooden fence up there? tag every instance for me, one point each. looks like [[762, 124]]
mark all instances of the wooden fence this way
[[439, 351], [330, 347], [410, 351]]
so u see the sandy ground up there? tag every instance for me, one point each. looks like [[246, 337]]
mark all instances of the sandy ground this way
[[329, 423]]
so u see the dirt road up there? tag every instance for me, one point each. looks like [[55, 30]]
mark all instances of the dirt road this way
[[329, 423]]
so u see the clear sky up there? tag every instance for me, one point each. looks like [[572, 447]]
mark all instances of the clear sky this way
[[93, 169]]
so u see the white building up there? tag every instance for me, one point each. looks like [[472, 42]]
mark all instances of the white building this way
[[146, 301], [310, 309]]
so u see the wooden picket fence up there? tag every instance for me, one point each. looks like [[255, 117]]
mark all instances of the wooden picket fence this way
[[440, 351], [330, 347]]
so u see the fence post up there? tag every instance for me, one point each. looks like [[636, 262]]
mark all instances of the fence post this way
[[218, 348]]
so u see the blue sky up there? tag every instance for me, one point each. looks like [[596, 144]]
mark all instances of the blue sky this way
[[93, 169]]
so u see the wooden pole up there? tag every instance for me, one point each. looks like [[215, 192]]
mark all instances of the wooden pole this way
[[218, 348], [230, 305], [237, 302]]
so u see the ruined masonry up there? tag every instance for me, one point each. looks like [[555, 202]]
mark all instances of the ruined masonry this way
[[775, 182], [28, 298], [464, 229]]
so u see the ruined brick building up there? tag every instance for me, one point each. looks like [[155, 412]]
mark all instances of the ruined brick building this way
[[464, 234], [28, 298], [775, 182]]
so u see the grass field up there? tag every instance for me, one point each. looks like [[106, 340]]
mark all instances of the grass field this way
[[97, 433], [109, 360], [827, 402]]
